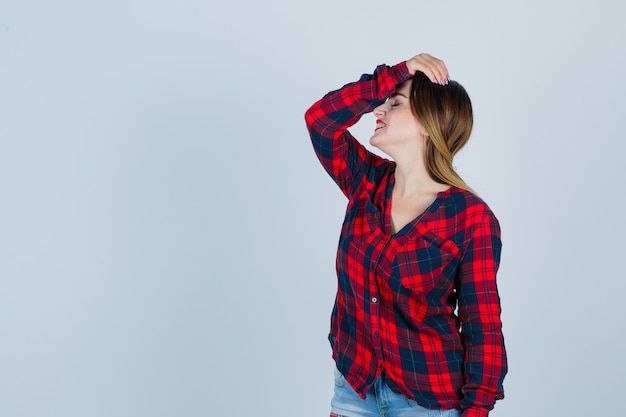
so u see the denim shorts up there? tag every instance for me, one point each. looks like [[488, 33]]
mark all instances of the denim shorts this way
[[379, 401]]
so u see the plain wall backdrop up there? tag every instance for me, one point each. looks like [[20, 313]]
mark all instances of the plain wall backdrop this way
[[167, 236]]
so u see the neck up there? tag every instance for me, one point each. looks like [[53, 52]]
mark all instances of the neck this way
[[413, 178]]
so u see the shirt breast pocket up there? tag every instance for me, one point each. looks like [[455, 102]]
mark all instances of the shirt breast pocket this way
[[426, 263]]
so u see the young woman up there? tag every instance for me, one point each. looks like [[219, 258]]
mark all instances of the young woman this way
[[415, 330]]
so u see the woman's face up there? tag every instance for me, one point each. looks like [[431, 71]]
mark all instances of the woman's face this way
[[395, 123]]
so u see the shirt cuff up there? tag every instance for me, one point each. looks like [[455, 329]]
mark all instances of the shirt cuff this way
[[401, 71], [475, 412]]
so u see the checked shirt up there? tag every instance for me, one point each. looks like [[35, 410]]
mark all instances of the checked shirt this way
[[419, 307]]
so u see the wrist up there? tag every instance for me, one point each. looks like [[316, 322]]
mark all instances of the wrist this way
[[410, 65]]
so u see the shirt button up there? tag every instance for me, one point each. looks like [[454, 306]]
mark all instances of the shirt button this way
[[374, 299]]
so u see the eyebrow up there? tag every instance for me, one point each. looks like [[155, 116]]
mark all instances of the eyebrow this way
[[398, 94]]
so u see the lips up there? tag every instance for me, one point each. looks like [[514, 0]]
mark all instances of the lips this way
[[379, 124]]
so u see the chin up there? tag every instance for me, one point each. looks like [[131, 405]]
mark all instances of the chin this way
[[381, 147], [374, 140]]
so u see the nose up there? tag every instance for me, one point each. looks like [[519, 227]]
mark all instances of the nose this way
[[380, 110]]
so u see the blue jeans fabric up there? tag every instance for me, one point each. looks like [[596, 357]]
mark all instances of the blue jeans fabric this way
[[379, 401]]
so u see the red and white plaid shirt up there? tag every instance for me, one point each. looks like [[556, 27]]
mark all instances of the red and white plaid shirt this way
[[396, 313]]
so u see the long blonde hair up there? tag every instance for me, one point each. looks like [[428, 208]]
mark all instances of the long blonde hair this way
[[446, 114]]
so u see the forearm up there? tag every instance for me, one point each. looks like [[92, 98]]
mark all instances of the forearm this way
[[479, 309], [342, 108], [485, 368]]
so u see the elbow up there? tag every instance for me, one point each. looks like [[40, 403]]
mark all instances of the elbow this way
[[310, 117]]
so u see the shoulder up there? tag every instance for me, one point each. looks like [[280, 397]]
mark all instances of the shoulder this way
[[476, 224], [468, 208]]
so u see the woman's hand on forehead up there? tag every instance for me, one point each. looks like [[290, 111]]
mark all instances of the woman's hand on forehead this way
[[434, 68]]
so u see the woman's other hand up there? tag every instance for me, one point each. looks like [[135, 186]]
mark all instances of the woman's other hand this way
[[434, 68]]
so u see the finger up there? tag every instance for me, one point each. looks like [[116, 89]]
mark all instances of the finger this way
[[440, 71], [443, 77]]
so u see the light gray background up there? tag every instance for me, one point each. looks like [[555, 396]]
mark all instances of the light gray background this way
[[167, 236]]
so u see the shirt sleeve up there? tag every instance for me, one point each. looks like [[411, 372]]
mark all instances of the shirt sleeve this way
[[328, 120], [479, 311]]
